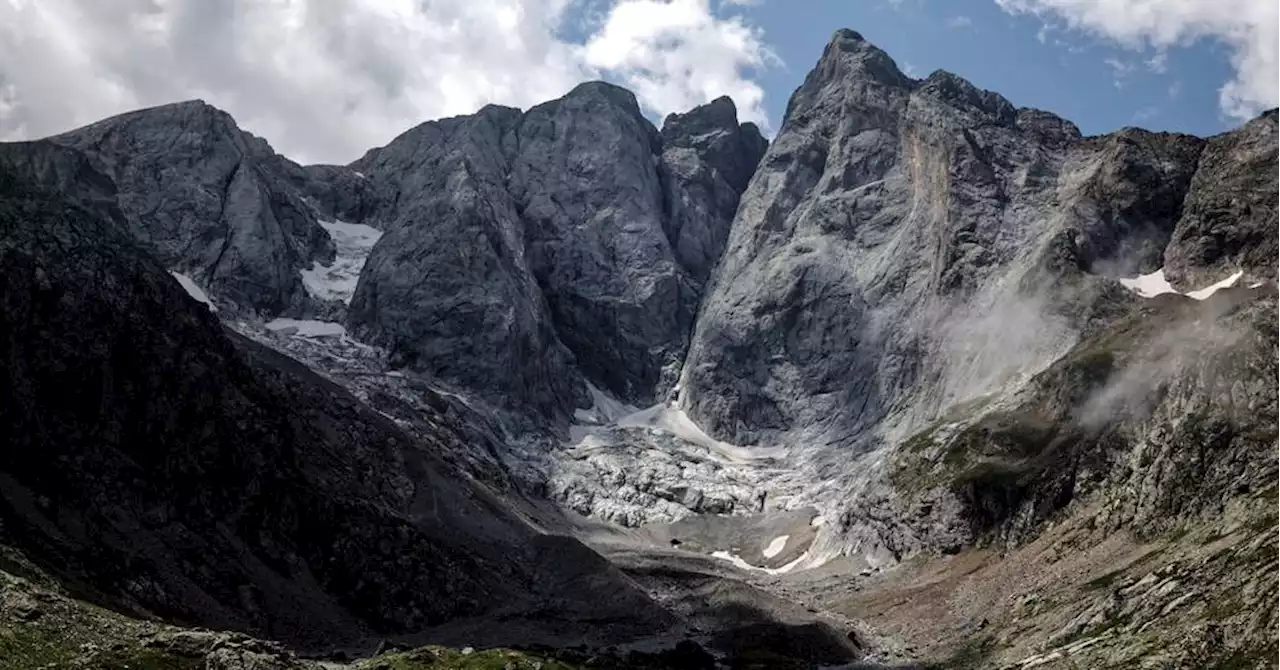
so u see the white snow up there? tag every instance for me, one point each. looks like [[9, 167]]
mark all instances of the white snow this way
[[604, 409], [1256, 284], [776, 546], [307, 328], [1154, 284], [353, 242], [193, 289], [607, 411], [738, 561], [1149, 285], [1213, 288], [817, 521], [672, 420]]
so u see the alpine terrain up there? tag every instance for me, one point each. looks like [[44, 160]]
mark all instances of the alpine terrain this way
[[926, 381]]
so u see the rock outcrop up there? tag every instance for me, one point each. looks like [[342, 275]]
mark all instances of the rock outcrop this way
[[157, 463], [209, 200], [1229, 219], [528, 253], [907, 245]]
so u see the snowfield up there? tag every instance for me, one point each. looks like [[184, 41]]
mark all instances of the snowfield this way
[[1154, 284], [353, 242], [307, 328]]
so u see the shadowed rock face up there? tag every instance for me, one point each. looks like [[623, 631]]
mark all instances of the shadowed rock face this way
[[908, 244], [209, 200], [528, 253], [157, 463], [709, 159], [1229, 218]]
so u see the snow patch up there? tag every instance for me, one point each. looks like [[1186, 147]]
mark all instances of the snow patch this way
[[670, 419], [306, 328], [1214, 288], [605, 409], [1154, 284], [738, 561], [817, 521], [1257, 284], [353, 242], [608, 412], [1148, 285], [776, 546], [193, 289]]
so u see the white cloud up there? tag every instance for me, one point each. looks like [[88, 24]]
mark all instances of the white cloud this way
[[1158, 63], [1120, 71], [324, 80], [1175, 89], [675, 54], [1251, 28], [959, 22]]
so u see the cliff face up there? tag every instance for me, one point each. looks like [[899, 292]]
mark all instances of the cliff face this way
[[946, 322], [157, 463], [209, 200], [907, 245], [529, 253]]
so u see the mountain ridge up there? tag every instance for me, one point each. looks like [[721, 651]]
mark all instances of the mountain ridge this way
[[920, 323]]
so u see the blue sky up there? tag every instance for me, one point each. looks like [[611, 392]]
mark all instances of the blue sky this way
[[1091, 81], [325, 80]]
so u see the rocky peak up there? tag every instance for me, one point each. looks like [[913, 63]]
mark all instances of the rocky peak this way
[[210, 200], [718, 115], [960, 93], [1047, 127], [713, 132], [1229, 218]]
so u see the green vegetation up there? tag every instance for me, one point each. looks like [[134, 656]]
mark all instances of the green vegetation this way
[[24, 646], [441, 658]]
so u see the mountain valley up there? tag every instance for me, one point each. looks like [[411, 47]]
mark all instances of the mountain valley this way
[[926, 380]]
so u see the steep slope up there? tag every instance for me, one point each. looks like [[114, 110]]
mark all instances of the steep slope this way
[[1229, 218], [158, 464], [528, 253], [911, 244], [209, 200]]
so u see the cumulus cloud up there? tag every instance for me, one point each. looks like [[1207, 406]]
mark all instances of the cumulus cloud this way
[[324, 80], [1251, 28]]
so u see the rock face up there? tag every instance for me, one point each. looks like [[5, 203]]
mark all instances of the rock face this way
[[528, 253], [710, 159], [209, 200], [157, 463], [1229, 218], [908, 245]]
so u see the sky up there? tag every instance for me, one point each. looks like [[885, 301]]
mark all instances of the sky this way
[[324, 80]]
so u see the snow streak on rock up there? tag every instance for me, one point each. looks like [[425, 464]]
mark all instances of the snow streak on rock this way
[[1154, 284], [193, 289], [337, 281]]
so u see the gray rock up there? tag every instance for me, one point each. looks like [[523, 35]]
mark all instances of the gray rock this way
[[209, 200], [708, 160], [587, 186], [448, 289], [1229, 219], [528, 253], [204, 478], [906, 245]]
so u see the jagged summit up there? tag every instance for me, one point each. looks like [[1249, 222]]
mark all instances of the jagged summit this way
[[921, 321]]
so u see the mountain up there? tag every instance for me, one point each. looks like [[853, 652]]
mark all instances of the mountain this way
[[928, 377], [528, 254], [159, 463]]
